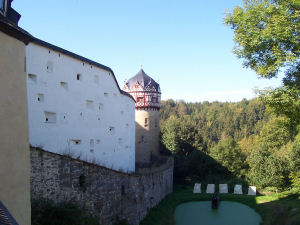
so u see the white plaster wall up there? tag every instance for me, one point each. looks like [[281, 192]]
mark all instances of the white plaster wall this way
[[75, 120]]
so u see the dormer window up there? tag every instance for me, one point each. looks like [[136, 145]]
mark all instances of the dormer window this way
[[2, 6]]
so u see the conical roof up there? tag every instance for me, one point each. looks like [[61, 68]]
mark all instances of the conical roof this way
[[143, 80]]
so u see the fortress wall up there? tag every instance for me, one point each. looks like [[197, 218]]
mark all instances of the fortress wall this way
[[110, 195]]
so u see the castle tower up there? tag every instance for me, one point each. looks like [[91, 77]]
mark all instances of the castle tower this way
[[146, 93]]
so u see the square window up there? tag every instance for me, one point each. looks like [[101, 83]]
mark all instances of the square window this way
[[40, 97], [90, 104], [96, 79], [50, 117], [32, 78], [64, 85], [49, 67], [92, 142], [111, 130]]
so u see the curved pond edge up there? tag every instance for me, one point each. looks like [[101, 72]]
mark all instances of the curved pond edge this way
[[228, 212]]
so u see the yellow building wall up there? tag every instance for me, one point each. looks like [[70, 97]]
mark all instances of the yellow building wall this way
[[147, 134], [14, 146]]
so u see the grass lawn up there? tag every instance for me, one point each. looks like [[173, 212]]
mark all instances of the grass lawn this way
[[276, 208]]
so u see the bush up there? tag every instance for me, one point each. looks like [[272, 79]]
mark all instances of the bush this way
[[45, 212]]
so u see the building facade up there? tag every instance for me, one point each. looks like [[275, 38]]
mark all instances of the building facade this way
[[76, 108], [146, 92], [14, 150]]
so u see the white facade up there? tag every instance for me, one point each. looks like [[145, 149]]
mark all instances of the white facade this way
[[77, 109]]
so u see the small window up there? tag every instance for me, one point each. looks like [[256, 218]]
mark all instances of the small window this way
[[40, 97], [78, 76], [111, 130], [140, 99], [76, 141], [96, 79], [92, 142], [64, 85], [122, 112], [90, 104], [50, 117], [146, 122], [123, 190], [91, 150], [105, 94], [32, 78], [100, 106], [49, 67], [120, 140], [98, 141]]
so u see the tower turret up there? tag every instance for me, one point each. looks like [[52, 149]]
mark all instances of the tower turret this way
[[146, 93]]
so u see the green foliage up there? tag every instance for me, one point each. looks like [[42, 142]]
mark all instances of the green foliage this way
[[268, 169], [210, 121], [267, 38], [284, 101], [217, 142], [295, 179], [45, 212], [295, 154], [229, 155], [274, 134], [266, 34], [190, 136], [180, 134]]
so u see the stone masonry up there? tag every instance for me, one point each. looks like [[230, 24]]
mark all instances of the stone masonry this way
[[108, 194]]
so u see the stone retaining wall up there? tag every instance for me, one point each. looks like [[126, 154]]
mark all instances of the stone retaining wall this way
[[108, 194]]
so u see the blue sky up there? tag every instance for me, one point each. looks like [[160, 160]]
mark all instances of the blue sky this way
[[183, 45]]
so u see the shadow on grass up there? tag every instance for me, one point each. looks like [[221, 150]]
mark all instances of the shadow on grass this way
[[279, 208], [199, 167]]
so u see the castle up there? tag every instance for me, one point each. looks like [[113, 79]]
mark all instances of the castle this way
[[90, 141]]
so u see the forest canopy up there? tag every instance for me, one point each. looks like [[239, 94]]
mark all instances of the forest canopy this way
[[217, 142]]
